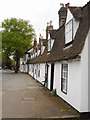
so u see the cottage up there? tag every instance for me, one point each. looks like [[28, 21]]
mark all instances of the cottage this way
[[64, 62]]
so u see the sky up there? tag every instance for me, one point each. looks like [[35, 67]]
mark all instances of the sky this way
[[38, 12]]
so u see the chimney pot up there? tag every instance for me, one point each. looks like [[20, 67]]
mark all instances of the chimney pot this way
[[67, 5], [61, 5], [50, 23]]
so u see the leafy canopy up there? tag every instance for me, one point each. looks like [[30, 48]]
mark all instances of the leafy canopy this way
[[17, 35]]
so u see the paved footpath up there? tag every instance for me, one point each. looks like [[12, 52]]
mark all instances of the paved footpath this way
[[24, 97]]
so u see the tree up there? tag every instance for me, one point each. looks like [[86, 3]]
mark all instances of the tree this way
[[17, 36]]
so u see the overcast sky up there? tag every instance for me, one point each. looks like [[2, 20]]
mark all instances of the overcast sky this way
[[38, 12]]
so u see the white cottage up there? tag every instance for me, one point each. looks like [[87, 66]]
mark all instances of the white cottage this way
[[64, 63]]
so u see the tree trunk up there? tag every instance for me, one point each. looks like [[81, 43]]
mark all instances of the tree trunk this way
[[17, 65]]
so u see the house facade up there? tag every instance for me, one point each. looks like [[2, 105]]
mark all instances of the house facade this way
[[64, 62]]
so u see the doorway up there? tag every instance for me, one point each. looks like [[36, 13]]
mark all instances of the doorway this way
[[52, 76], [46, 75]]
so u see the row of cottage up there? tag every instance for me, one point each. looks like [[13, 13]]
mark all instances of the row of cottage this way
[[61, 61]]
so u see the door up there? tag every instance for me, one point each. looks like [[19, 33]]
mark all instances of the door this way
[[46, 75], [28, 68], [52, 76]]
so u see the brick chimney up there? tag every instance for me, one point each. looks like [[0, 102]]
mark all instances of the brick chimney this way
[[35, 43], [67, 5], [48, 28], [62, 15], [40, 40]]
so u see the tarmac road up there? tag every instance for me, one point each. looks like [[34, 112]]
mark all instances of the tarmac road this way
[[24, 97]]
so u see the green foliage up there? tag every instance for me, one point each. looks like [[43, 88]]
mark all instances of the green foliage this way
[[7, 62], [54, 92], [17, 35]]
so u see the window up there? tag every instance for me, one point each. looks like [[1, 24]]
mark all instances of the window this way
[[69, 32], [49, 45], [64, 78], [32, 68]]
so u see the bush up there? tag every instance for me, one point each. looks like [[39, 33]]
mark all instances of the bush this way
[[54, 92]]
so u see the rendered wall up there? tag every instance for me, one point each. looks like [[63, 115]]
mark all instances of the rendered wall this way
[[84, 78], [42, 73], [49, 75], [73, 96], [88, 71], [78, 89]]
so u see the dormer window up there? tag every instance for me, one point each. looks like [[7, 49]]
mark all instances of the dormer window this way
[[69, 32], [49, 45], [41, 48]]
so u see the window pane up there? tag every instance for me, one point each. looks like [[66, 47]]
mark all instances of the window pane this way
[[49, 45], [64, 78], [68, 32]]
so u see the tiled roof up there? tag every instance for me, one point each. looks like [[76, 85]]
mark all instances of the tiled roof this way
[[53, 34], [26, 52], [77, 12], [58, 52]]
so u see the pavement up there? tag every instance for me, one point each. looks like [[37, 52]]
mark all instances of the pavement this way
[[24, 97]]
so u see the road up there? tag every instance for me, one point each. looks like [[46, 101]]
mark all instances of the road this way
[[24, 97]]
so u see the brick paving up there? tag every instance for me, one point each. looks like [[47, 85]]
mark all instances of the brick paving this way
[[24, 97]]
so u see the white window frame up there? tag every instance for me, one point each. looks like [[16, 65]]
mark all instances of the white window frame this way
[[49, 45], [64, 78], [69, 32]]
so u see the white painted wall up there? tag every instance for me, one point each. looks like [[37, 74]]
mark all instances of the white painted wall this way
[[30, 69], [69, 16], [21, 66], [73, 96], [1, 94], [57, 74], [74, 87], [26, 57], [86, 75], [75, 27], [42, 73], [49, 75], [88, 38], [84, 78]]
